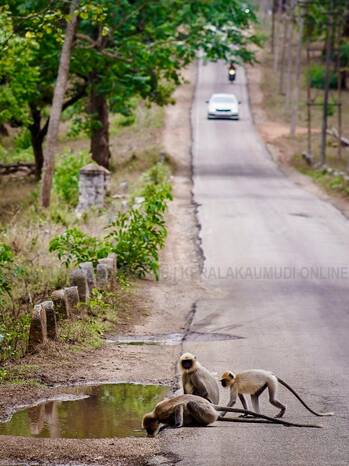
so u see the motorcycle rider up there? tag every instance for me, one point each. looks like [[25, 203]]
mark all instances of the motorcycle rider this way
[[232, 72]]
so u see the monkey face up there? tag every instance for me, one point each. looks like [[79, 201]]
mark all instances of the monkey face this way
[[227, 379], [151, 425], [152, 429], [187, 363]]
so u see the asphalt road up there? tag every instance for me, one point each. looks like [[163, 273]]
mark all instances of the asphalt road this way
[[277, 281]]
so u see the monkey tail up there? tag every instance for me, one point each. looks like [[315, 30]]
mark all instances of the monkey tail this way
[[271, 420], [300, 399]]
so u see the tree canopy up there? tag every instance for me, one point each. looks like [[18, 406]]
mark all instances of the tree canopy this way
[[122, 49]]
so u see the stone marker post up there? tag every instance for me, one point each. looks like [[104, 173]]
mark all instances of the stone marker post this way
[[51, 323], [90, 274], [102, 276], [59, 302], [38, 328], [71, 295], [110, 263], [93, 186], [78, 278]]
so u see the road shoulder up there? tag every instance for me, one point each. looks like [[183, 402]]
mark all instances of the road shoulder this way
[[270, 131], [159, 308]]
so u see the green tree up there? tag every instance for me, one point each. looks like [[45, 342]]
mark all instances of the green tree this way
[[122, 49], [139, 48], [31, 37], [18, 76]]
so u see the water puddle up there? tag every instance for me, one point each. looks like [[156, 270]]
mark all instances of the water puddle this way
[[98, 411], [170, 338], [161, 339]]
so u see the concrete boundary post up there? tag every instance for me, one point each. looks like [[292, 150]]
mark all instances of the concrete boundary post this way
[[38, 328]]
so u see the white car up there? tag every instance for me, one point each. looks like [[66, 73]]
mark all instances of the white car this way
[[223, 106]]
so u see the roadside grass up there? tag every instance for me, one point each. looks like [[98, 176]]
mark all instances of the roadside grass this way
[[20, 374], [292, 148], [27, 228], [274, 102], [330, 183], [107, 311], [102, 316]]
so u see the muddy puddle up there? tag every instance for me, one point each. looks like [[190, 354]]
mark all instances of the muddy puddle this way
[[98, 411]]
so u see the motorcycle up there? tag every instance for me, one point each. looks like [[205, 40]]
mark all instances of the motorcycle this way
[[231, 74]]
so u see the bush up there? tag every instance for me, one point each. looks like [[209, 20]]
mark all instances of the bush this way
[[13, 328], [6, 263], [74, 247], [136, 236], [85, 332], [14, 155], [316, 75], [126, 120], [66, 177], [344, 54], [23, 139], [13, 336], [9, 272]]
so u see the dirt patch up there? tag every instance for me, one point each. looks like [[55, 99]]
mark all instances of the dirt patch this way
[[117, 452], [158, 308]]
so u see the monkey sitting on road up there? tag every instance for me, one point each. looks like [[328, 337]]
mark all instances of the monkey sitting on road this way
[[253, 382], [197, 380], [192, 410]]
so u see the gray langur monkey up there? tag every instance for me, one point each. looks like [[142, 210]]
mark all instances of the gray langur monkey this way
[[197, 380], [253, 382], [192, 410]]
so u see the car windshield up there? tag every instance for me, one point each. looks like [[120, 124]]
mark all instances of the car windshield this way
[[223, 99]]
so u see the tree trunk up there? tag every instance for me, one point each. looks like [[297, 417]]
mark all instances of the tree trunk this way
[[343, 80], [39, 133], [289, 69], [57, 104], [100, 125], [296, 89], [285, 44], [3, 130], [272, 42], [37, 143], [37, 137]]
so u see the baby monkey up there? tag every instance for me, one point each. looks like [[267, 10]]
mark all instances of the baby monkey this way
[[253, 382]]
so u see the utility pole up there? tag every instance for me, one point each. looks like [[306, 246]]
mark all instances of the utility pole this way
[[329, 47], [309, 102]]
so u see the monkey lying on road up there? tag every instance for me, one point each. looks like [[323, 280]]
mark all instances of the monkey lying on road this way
[[192, 410], [253, 382], [197, 380]]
